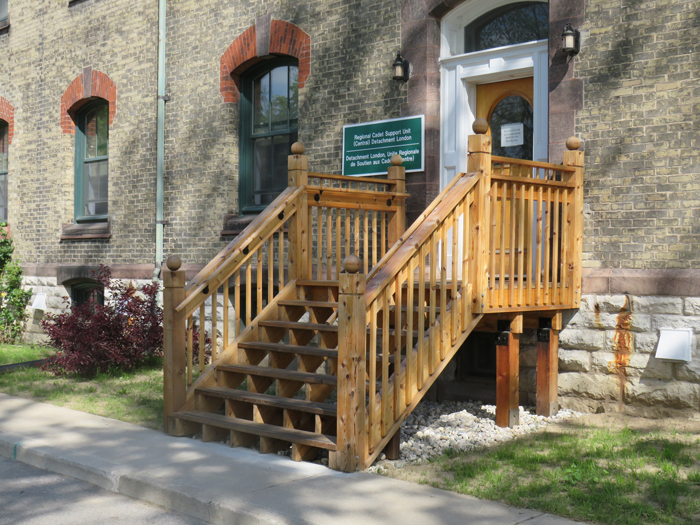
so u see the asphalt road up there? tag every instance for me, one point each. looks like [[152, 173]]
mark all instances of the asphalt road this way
[[32, 496]]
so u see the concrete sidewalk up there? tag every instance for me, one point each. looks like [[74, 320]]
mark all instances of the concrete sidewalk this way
[[219, 484]]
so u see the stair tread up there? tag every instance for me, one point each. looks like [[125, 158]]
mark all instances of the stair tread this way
[[313, 304], [260, 429], [279, 373], [317, 283], [290, 349], [300, 326], [312, 407]]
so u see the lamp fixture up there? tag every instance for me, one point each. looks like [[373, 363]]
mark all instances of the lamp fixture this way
[[400, 67], [571, 40]]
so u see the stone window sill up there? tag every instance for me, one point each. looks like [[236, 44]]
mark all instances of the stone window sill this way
[[4, 25], [86, 231]]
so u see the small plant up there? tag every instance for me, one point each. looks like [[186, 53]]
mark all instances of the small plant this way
[[13, 298], [92, 338]]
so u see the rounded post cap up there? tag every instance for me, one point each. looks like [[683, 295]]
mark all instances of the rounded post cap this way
[[396, 160], [480, 126], [173, 263], [352, 264], [298, 148], [573, 143]]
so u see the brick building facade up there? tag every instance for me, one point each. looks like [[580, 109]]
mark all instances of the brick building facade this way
[[629, 94]]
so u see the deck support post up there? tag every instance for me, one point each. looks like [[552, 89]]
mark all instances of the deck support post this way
[[397, 220], [393, 447], [352, 449], [547, 368], [479, 161], [299, 235], [174, 350], [508, 372]]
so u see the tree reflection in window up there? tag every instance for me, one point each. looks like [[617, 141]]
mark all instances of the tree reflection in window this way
[[508, 25], [513, 109]]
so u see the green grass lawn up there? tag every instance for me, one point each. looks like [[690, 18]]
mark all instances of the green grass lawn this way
[[135, 397], [10, 354], [618, 476]]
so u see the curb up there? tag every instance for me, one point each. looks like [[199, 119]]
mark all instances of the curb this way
[[185, 499]]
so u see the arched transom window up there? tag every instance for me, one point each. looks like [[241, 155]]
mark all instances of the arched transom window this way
[[508, 25]]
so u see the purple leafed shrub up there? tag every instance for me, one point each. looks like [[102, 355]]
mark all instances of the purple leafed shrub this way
[[92, 338]]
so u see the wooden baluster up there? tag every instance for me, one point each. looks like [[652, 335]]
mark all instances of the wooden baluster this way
[[237, 302], [310, 248], [555, 250], [397, 222], [347, 232], [281, 262], [455, 277], [174, 343], [338, 247], [248, 291], [190, 350], [386, 408], [398, 340], [502, 247], [373, 371], [383, 232], [566, 221], [529, 245], [547, 246], [466, 299], [421, 314], [259, 278], [270, 269], [433, 338], [214, 325], [202, 338], [226, 314], [365, 237], [410, 360], [329, 245], [319, 243], [298, 165], [511, 253], [357, 233], [538, 260], [375, 248], [521, 245], [444, 318], [493, 240], [352, 429]]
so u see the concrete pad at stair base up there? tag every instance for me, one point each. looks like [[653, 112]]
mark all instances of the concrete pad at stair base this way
[[220, 484]]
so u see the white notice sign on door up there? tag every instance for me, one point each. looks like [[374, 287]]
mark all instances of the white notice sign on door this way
[[512, 135]]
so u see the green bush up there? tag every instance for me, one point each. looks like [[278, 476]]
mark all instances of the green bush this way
[[13, 298]]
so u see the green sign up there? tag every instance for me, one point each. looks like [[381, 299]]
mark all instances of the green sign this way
[[368, 147]]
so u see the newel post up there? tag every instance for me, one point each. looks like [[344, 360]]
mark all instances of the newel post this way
[[352, 364], [574, 158], [479, 161], [174, 330], [397, 221], [299, 256]]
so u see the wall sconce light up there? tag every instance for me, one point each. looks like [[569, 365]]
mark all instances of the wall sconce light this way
[[571, 40], [400, 66]]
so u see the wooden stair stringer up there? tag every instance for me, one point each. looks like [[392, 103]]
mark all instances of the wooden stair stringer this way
[[230, 354], [449, 354]]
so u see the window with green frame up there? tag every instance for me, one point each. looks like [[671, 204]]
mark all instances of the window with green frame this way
[[92, 162], [4, 166], [269, 124]]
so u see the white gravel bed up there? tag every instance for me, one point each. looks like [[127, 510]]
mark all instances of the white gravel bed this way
[[433, 428]]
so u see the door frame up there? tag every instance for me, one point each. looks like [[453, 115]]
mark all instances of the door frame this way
[[461, 74]]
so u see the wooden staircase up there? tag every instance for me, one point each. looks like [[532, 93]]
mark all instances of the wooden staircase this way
[[325, 322]]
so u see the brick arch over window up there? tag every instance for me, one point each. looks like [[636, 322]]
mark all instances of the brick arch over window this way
[[266, 37], [7, 113], [90, 85]]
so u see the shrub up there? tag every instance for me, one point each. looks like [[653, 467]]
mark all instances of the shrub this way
[[13, 298], [92, 338]]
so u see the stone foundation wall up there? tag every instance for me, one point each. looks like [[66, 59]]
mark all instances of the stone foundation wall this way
[[607, 357]]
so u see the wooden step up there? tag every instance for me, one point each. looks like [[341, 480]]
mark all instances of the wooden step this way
[[290, 349], [333, 284], [310, 304], [260, 429], [279, 373], [322, 409], [289, 325]]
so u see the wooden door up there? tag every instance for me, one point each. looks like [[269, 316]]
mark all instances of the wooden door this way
[[508, 104]]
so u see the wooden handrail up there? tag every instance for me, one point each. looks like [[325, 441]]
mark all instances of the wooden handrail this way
[[532, 164], [421, 218], [241, 248], [347, 178], [416, 236]]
